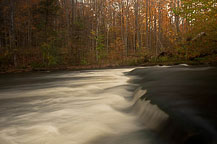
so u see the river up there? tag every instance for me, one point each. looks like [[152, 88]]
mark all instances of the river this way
[[79, 107]]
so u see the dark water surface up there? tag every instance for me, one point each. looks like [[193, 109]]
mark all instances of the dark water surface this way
[[188, 95], [152, 105]]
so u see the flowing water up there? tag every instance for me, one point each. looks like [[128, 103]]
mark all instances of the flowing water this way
[[151, 105], [83, 107]]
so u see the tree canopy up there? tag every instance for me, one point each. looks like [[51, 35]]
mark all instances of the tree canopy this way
[[44, 33]]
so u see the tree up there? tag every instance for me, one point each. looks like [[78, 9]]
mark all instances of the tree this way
[[75, 32], [47, 12]]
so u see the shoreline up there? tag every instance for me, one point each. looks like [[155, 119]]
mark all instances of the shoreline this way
[[95, 67]]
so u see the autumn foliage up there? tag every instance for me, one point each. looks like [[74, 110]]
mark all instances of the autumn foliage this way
[[48, 33]]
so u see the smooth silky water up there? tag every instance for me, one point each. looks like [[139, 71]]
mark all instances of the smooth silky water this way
[[83, 107]]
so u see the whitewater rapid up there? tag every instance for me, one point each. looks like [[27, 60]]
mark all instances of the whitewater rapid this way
[[83, 107]]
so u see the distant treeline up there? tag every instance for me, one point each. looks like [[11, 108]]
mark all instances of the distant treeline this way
[[44, 33]]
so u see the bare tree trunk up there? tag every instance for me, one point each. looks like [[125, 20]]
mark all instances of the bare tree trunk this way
[[147, 40], [122, 20], [150, 23], [159, 23], [126, 31], [136, 24], [155, 32], [107, 41], [176, 5], [12, 32], [29, 25], [171, 17]]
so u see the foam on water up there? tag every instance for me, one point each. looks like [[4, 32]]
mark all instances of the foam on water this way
[[75, 111], [87, 107]]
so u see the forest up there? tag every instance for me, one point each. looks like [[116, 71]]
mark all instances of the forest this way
[[108, 71], [84, 33]]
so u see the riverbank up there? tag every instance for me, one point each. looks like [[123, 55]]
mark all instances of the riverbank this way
[[102, 66], [57, 68]]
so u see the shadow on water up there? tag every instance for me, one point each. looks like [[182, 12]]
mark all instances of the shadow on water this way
[[170, 105], [188, 95], [136, 137]]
